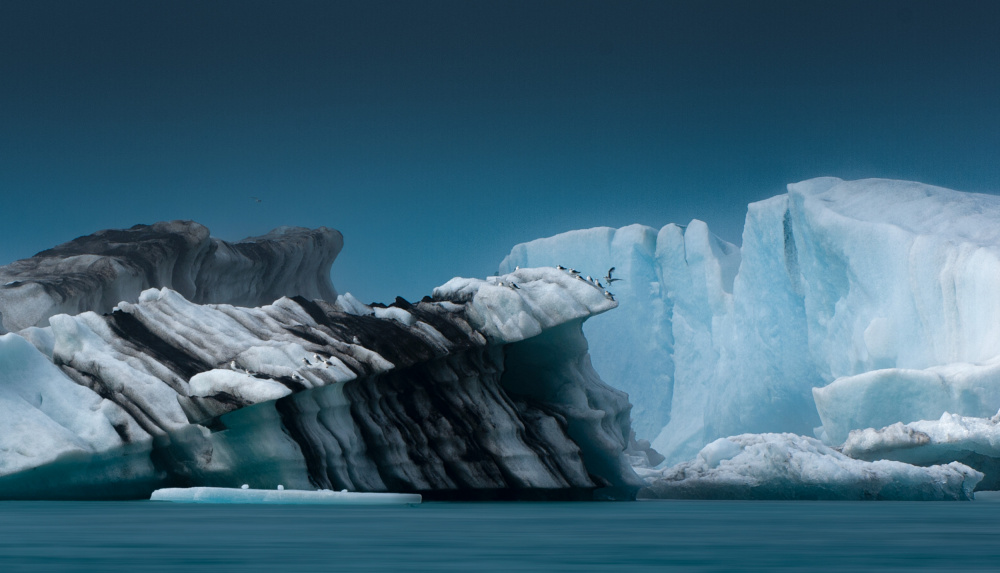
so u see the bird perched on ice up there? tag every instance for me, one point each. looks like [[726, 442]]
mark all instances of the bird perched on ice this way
[[609, 279], [514, 286], [609, 295], [306, 361], [560, 267], [233, 366]]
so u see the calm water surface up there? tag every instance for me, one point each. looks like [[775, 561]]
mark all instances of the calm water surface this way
[[640, 536]]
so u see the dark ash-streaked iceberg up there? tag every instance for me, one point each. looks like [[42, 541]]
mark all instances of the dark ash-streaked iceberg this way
[[483, 391]]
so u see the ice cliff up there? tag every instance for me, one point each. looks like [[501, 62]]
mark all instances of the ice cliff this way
[[484, 390], [880, 294], [97, 271]]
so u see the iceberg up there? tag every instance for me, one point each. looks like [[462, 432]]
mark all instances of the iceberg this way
[[482, 391], [786, 466], [879, 294]]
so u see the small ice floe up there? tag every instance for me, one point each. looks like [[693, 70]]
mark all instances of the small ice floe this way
[[281, 496]]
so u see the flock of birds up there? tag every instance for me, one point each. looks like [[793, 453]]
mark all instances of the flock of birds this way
[[608, 278], [318, 361]]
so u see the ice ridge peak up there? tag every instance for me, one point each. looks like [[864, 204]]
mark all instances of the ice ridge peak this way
[[96, 272]]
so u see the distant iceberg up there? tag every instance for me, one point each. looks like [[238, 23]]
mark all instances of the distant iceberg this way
[[880, 294]]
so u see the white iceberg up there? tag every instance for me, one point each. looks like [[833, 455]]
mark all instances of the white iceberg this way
[[881, 294]]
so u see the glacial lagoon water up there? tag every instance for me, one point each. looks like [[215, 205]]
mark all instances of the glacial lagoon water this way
[[577, 537]]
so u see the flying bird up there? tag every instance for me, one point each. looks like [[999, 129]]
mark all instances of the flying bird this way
[[608, 279], [255, 199]]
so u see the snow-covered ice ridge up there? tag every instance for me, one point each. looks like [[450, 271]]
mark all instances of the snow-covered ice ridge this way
[[483, 391], [880, 294], [98, 271]]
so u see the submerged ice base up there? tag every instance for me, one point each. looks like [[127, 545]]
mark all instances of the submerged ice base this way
[[288, 496]]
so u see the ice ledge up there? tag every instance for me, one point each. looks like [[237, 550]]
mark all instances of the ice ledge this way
[[521, 304]]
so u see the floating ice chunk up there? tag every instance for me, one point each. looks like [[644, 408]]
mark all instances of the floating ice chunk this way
[[786, 466], [970, 440], [926, 440], [280, 496]]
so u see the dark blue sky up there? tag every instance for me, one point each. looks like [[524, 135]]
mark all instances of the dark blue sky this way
[[436, 135]]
